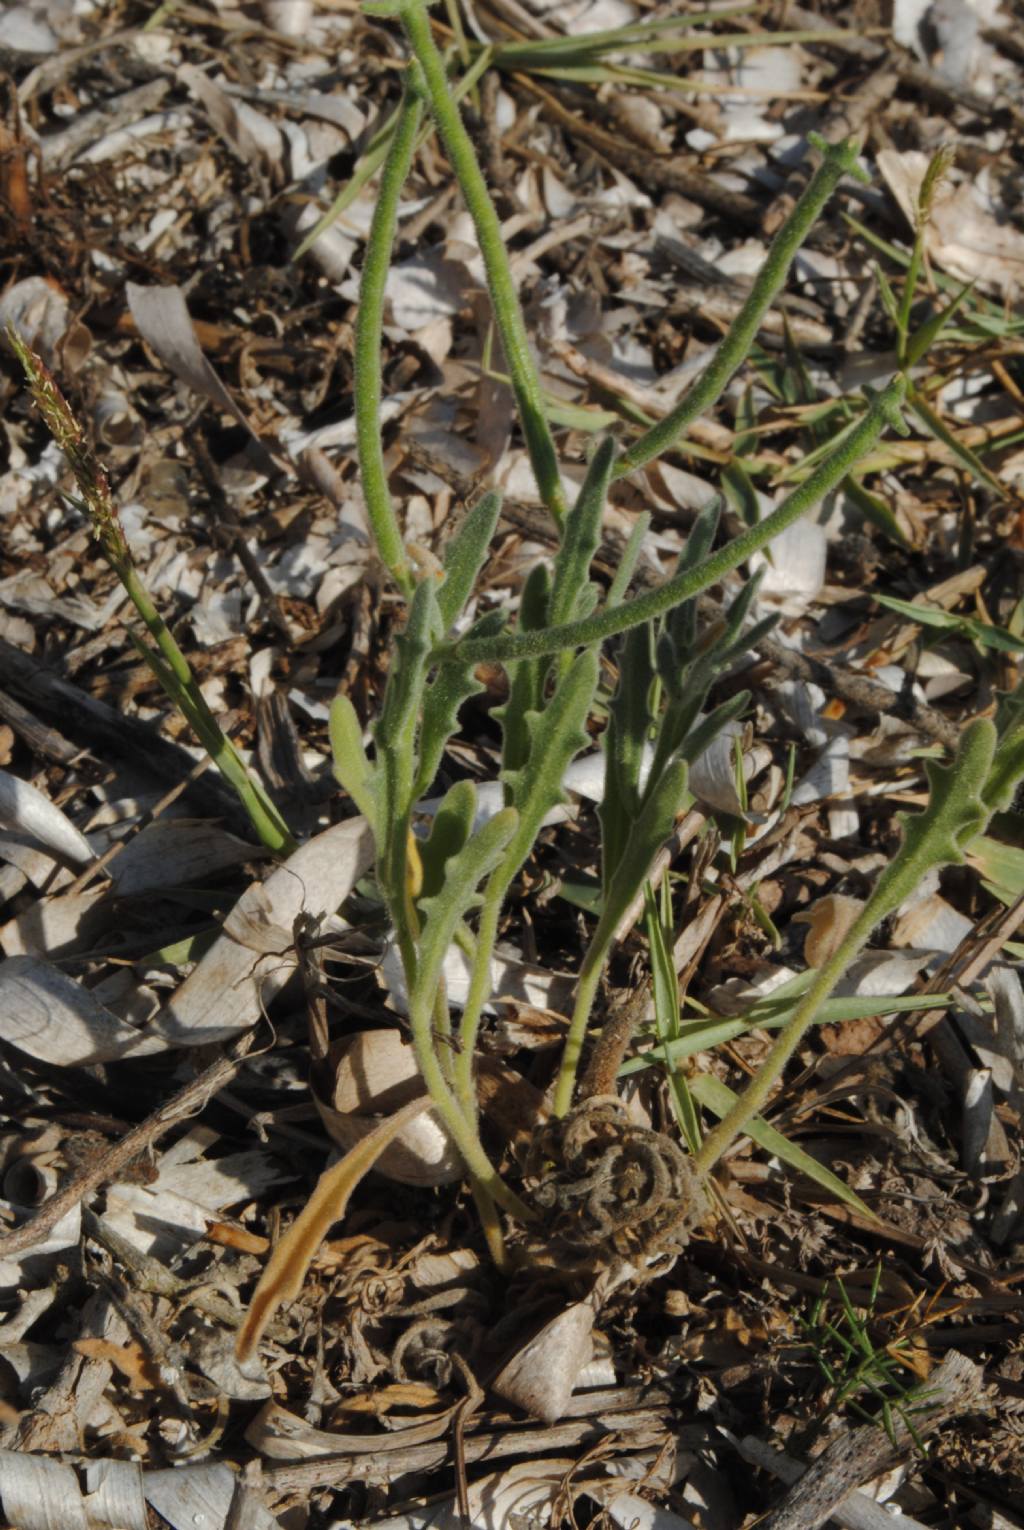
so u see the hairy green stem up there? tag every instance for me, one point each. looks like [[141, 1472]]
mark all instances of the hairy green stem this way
[[479, 990], [840, 159], [369, 335], [957, 811], [463, 1132], [610, 621], [586, 993], [508, 315], [173, 671]]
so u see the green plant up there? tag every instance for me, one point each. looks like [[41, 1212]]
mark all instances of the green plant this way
[[432, 886], [856, 1368], [963, 798], [164, 657]]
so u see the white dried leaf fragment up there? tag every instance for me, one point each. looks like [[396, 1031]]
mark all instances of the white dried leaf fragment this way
[[176, 852], [289, 17], [540, 1377], [199, 1498], [39, 1493], [115, 1496], [40, 313], [46, 1014], [59, 925], [255, 956], [24, 808]]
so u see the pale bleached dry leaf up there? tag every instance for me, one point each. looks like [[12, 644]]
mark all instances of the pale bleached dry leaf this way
[[189, 1191], [24, 29], [39, 1493], [931, 924], [41, 870], [199, 1498], [769, 70], [793, 566], [114, 1495], [712, 778], [976, 1122], [162, 317], [177, 853], [289, 17], [374, 1072], [429, 286], [38, 309], [541, 1376], [631, 1512], [1004, 986], [333, 250], [255, 956], [948, 35], [49, 1016], [880, 972], [64, 924], [25, 809], [116, 421]]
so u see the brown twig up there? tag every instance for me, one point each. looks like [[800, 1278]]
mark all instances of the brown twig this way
[[640, 1427], [193, 1097]]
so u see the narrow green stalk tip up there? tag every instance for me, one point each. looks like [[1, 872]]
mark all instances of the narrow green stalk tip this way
[[609, 621], [508, 315], [839, 160], [368, 382]]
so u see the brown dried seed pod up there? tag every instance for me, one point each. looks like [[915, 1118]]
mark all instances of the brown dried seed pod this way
[[608, 1189]]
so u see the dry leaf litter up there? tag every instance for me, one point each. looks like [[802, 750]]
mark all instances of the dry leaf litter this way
[[163, 1117]]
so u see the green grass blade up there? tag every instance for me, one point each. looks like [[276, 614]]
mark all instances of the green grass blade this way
[[719, 1099]]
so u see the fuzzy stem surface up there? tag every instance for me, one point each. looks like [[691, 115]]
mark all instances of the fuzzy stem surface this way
[[508, 315], [610, 621], [369, 336], [586, 993], [840, 159]]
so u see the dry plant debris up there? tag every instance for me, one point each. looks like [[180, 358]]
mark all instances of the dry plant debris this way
[[186, 195]]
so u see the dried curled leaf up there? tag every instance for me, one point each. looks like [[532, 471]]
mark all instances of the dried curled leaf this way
[[282, 1279]]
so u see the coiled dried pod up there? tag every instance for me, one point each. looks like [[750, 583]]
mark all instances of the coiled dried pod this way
[[608, 1189]]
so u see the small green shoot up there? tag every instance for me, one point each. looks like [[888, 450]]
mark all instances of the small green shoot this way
[[857, 1369]]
